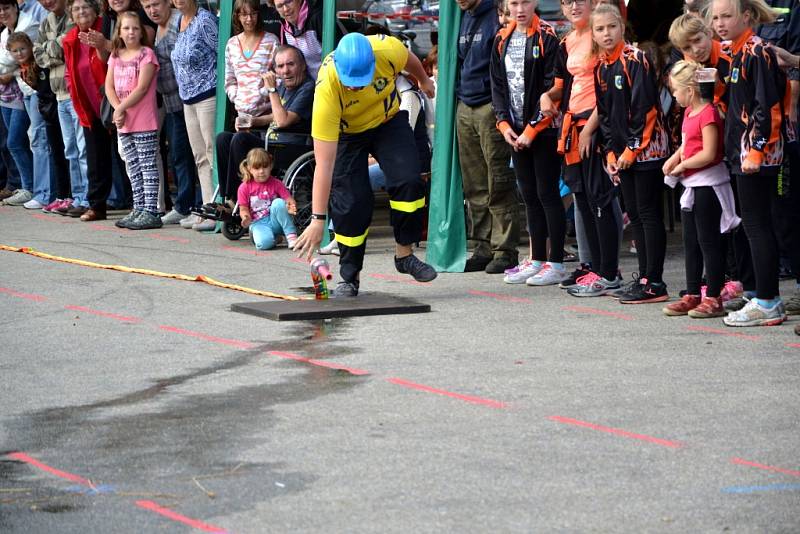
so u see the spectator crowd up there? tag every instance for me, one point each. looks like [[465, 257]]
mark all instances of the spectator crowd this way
[[112, 105]]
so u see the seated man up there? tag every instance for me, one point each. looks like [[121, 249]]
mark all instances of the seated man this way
[[291, 107]]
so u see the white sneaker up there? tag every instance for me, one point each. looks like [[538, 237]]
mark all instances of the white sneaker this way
[[548, 276], [33, 204], [188, 222], [173, 217], [20, 197], [291, 241], [522, 272], [753, 314], [206, 225], [330, 248]]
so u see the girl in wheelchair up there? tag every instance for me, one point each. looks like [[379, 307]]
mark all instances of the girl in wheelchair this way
[[265, 205]]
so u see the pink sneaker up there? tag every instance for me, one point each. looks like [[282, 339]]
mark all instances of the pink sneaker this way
[[54, 205], [587, 279], [731, 290]]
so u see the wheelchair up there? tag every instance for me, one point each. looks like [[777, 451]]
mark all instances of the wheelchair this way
[[293, 164]]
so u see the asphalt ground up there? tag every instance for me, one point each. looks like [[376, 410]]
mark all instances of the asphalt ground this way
[[132, 403]]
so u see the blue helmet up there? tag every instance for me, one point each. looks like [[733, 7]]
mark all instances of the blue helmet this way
[[354, 60]]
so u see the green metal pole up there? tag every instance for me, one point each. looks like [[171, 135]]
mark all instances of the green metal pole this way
[[328, 26], [447, 240], [226, 12]]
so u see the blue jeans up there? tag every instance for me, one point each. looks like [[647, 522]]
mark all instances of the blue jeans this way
[[9, 175], [17, 123], [74, 151], [182, 161], [278, 222], [43, 178]]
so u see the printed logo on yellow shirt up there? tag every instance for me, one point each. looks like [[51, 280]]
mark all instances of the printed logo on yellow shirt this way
[[380, 84]]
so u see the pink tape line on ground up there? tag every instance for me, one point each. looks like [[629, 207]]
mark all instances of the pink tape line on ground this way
[[22, 457], [428, 389], [748, 463], [175, 516], [616, 431]]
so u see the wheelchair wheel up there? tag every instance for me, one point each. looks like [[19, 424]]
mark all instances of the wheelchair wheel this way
[[233, 229], [299, 179]]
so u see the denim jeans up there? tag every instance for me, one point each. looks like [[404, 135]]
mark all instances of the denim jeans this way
[[43, 182], [278, 222], [182, 161], [74, 151], [17, 123], [9, 175]]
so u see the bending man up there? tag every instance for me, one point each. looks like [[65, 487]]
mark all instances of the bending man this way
[[356, 113]]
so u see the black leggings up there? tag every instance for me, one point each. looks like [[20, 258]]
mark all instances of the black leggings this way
[[642, 191], [703, 243], [538, 169], [755, 194], [602, 233]]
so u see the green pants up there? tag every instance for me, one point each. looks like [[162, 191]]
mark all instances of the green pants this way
[[489, 183]]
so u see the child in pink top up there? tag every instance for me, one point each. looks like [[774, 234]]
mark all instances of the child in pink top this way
[[265, 205], [131, 91], [698, 163]]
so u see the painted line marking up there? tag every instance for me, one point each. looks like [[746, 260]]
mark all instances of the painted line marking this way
[[47, 218], [102, 228], [722, 332], [791, 472], [459, 396], [162, 237], [616, 431], [28, 296], [299, 260], [320, 363], [206, 337], [22, 457], [498, 296], [595, 311], [122, 318], [397, 278], [242, 250], [758, 489], [175, 516], [793, 345]]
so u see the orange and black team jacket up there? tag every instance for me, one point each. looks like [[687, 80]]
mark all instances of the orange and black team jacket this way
[[628, 106], [719, 59], [541, 52], [756, 92]]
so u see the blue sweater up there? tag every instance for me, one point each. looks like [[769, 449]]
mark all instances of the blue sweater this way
[[475, 41], [194, 58]]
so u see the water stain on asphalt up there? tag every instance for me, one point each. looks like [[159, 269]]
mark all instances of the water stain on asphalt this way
[[188, 431]]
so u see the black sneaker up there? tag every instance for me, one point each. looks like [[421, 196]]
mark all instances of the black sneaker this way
[[477, 263], [627, 288], [648, 293], [421, 271], [499, 265], [345, 289], [572, 281]]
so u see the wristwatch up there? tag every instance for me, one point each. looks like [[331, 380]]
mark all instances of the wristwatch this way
[[319, 216], [271, 90]]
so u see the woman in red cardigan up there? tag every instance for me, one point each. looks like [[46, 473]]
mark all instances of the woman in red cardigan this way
[[85, 75]]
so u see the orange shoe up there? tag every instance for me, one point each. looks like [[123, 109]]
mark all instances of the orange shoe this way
[[708, 308], [683, 306]]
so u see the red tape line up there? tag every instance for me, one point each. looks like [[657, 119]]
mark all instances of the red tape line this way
[[428, 389], [206, 337], [175, 516], [499, 296], [320, 363], [122, 318], [28, 296], [722, 332], [616, 431], [740, 461], [584, 309], [22, 457]]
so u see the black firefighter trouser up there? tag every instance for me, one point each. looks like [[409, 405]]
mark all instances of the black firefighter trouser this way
[[392, 144]]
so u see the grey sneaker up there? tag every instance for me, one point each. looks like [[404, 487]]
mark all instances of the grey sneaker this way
[[173, 217], [421, 271], [792, 305], [735, 304], [626, 288], [20, 197], [145, 221], [129, 218], [345, 289], [753, 314], [596, 288]]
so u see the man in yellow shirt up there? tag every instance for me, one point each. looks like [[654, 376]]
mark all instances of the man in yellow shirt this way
[[357, 113]]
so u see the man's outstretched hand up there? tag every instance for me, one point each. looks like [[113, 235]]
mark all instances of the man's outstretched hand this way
[[308, 242]]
